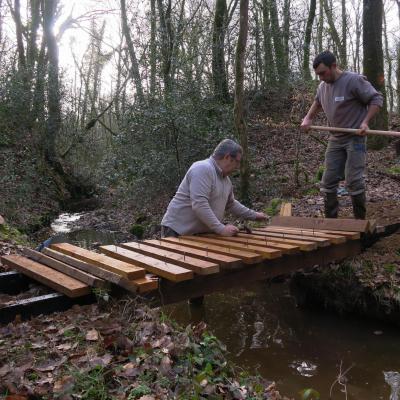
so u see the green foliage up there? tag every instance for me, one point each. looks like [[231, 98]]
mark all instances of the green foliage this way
[[139, 391], [160, 140], [391, 268], [137, 230], [90, 385], [273, 207], [319, 173], [9, 233], [312, 191], [309, 394], [394, 170]]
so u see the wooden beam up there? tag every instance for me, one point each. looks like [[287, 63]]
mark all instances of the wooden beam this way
[[196, 265], [222, 260], [266, 252], [65, 268], [334, 238], [354, 225], [286, 210], [284, 248], [166, 270], [246, 256], [140, 285], [303, 244], [127, 270], [48, 276], [321, 242]]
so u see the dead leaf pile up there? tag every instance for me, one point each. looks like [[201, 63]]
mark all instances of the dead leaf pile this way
[[126, 351]]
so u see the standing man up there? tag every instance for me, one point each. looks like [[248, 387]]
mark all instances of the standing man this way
[[205, 194], [349, 101]]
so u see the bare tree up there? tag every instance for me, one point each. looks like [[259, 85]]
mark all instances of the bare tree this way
[[239, 108], [307, 40], [373, 60], [132, 54]]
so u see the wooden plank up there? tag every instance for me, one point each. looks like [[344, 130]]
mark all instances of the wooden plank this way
[[284, 248], [46, 275], [222, 260], [140, 285], [321, 242], [342, 224], [303, 244], [286, 210], [266, 252], [166, 270], [127, 270], [320, 232], [196, 265], [65, 268], [246, 256], [336, 239]]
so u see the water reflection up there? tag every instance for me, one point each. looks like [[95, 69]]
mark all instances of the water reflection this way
[[265, 331], [393, 380]]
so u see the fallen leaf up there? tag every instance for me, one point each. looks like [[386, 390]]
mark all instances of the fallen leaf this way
[[92, 335]]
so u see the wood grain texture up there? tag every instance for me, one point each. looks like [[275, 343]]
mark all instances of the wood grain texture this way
[[56, 280]]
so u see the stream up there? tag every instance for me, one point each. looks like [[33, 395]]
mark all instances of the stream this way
[[264, 331]]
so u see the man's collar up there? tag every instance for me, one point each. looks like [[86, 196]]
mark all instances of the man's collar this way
[[216, 166]]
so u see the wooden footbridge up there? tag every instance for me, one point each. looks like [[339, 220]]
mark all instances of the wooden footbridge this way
[[174, 269]]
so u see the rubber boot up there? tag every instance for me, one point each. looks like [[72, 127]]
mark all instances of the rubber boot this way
[[331, 205], [359, 208]]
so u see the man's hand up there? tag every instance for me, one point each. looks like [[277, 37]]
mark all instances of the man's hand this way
[[305, 125], [363, 128], [260, 216], [229, 230]]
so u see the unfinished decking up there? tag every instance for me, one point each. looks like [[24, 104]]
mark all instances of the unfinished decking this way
[[175, 269]]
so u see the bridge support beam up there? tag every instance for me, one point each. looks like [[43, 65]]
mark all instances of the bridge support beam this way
[[170, 292]]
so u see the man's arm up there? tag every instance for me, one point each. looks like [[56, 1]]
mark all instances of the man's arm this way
[[239, 210], [372, 111], [308, 119]]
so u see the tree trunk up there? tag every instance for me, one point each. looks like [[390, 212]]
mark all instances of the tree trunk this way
[[219, 78], [321, 26], [335, 35], [167, 43], [390, 67], [307, 41], [132, 55], [269, 66], [373, 62], [344, 35], [277, 37], [153, 47], [239, 107], [53, 91]]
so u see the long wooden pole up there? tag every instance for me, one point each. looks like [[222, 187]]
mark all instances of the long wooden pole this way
[[350, 130]]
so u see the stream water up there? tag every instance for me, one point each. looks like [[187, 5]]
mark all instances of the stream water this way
[[265, 332]]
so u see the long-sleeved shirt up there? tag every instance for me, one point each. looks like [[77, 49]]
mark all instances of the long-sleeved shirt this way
[[346, 100], [201, 200]]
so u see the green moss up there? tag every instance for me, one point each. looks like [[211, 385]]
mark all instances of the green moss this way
[[137, 230], [273, 207], [394, 170], [9, 233]]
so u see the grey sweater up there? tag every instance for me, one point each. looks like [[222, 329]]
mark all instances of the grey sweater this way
[[201, 200], [345, 101]]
